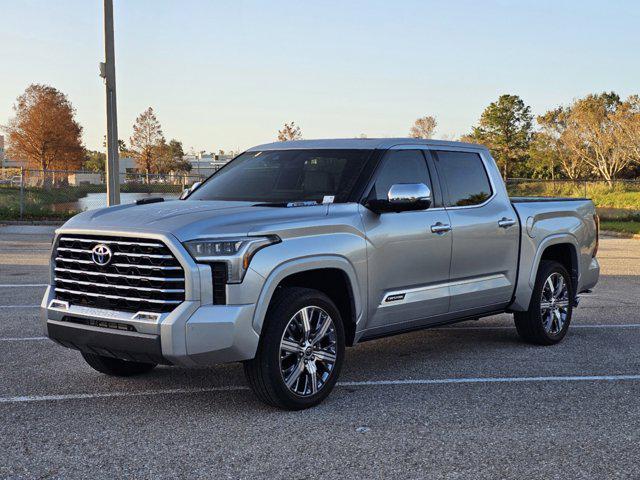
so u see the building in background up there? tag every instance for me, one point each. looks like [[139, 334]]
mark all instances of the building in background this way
[[206, 164], [5, 161]]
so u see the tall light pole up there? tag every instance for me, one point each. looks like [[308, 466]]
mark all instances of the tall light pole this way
[[108, 72]]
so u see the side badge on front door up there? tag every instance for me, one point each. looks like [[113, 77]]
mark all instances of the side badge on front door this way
[[396, 297]]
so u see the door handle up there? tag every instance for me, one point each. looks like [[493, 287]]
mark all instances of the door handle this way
[[506, 222], [440, 228]]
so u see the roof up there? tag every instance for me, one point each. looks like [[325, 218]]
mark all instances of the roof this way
[[358, 144]]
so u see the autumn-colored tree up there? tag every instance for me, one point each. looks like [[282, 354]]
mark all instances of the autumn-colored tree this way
[[423, 127], [146, 139], [505, 128], [290, 131], [44, 133]]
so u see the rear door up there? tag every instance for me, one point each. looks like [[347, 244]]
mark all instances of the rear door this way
[[408, 262], [484, 231]]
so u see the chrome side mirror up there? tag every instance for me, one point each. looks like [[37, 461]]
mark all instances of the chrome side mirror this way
[[415, 195], [187, 191], [403, 197]]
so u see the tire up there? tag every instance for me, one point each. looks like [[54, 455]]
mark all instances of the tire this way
[[549, 315], [116, 367], [286, 350]]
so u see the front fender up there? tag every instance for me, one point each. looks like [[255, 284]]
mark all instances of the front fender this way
[[301, 265]]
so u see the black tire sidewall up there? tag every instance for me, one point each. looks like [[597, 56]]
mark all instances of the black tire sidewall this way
[[269, 351], [549, 267]]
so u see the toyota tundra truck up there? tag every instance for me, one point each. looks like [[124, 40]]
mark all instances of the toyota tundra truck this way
[[295, 250]]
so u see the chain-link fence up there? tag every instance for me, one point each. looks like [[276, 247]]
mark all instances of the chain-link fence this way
[[58, 195]]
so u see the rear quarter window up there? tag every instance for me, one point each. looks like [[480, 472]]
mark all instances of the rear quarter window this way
[[465, 179]]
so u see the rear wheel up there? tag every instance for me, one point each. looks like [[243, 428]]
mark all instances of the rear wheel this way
[[115, 366], [549, 315], [301, 350]]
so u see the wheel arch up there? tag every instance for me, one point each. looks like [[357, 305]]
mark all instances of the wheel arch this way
[[562, 249], [333, 275]]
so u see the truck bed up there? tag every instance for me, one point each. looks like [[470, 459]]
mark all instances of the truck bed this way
[[546, 199], [547, 220]]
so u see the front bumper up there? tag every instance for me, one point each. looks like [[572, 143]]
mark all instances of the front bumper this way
[[190, 335]]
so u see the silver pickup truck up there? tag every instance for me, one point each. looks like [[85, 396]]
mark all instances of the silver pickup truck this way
[[295, 250]]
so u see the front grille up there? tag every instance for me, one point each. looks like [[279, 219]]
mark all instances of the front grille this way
[[143, 274]]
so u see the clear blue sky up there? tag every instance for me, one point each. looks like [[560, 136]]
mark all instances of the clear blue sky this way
[[228, 74]]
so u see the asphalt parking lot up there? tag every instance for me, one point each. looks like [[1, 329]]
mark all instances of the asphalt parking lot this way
[[467, 401]]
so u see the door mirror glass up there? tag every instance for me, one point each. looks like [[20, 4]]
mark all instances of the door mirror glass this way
[[403, 197]]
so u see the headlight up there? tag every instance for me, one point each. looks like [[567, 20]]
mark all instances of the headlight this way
[[235, 252]]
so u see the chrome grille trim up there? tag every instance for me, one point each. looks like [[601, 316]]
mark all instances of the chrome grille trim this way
[[123, 265], [115, 242], [118, 297], [122, 287], [144, 274], [122, 254], [119, 275]]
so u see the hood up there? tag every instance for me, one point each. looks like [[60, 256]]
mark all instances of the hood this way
[[189, 219]]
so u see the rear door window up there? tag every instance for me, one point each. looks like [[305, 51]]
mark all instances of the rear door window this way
[[465, 179]]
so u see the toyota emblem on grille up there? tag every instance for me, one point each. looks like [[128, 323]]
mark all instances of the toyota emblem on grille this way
[[101, 254]]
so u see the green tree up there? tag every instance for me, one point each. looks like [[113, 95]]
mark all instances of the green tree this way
[[94, 161], [170, 158], [505, 127]]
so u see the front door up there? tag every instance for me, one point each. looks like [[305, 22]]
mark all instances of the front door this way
[[408, 252]]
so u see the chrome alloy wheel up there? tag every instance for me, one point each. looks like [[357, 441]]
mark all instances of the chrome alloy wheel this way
[[308, 351], [554, 304]]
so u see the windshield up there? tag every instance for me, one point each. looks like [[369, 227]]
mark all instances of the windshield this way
[[277, 176]]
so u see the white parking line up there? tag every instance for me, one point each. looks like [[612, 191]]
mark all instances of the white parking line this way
[[368, 383], [20, 285], [82, 396]]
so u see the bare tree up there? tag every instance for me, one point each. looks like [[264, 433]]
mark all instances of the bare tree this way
[[627, 120], [599, 131], [553, 125], [146, 141], [423, 127], [289, 132], [44, 133]]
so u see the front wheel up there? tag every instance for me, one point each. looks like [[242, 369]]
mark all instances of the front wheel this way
[[301, 350], [549, 315]]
